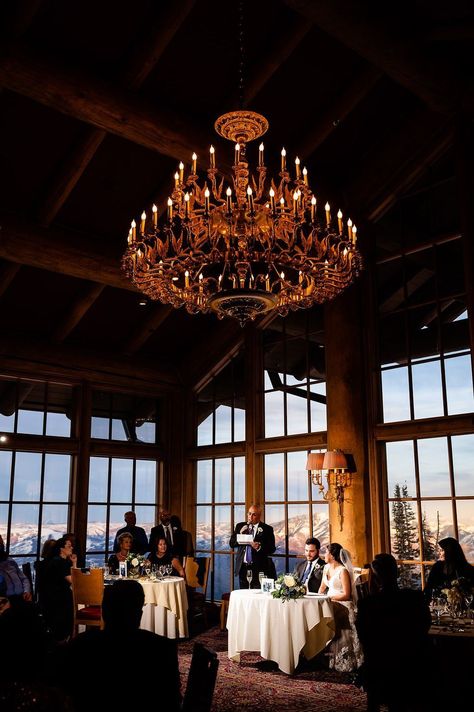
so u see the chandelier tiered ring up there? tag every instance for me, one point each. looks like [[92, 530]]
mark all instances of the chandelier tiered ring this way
[[246, 245]]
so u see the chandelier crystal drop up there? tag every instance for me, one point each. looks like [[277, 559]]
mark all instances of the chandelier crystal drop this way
[[244, 245]]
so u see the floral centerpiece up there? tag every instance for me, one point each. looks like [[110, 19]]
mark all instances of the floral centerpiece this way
[[459, 594], [135, 564], [288, 587]]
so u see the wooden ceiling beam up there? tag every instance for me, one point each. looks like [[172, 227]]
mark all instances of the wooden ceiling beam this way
[[373, 37], [8, 272], [115, 110], [69, 253], [144, 58], [340, 109], [159, 312], [80, 307], [22, 356]]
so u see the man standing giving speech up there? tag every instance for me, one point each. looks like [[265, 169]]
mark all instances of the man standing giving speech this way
[[253, 554]]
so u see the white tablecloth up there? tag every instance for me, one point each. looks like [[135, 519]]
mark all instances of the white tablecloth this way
[[166, 606], [278, 630]]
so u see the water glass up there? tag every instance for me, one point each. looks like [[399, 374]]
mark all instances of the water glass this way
[[261, 576]]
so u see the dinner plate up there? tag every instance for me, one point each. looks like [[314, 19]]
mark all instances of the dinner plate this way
[[317, 595]]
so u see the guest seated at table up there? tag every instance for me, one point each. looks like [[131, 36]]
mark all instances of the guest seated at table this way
[[114, 652], [338, 582], [393, 626], [163, 557], [57, 595], [18, 589], [125, 542], [452, 564]]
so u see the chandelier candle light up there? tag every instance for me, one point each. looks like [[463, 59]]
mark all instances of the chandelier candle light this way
[[244, 245]]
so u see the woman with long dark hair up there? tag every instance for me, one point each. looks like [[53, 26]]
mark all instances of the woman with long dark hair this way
[[451, 565]]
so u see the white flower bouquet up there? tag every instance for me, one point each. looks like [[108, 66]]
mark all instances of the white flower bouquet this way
[[288, 587]]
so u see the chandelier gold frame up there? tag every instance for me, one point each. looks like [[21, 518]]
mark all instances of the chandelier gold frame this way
[[242, 246]]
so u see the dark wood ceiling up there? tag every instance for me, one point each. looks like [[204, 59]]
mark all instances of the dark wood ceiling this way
[[100, 101]]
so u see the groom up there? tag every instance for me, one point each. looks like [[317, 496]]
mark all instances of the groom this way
[[310, 571], [253, 556]]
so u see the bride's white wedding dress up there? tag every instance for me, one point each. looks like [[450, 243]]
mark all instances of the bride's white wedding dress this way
[[345, 648]]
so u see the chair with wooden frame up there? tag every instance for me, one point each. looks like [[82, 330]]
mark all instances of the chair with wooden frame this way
[[197, 574], [87, 595], [201, 680]]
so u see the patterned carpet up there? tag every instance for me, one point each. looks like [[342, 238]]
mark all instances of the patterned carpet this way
[[248, 686]]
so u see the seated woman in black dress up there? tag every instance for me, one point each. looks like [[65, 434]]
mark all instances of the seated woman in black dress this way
[[163, 557], [452, 564], [125, 542]]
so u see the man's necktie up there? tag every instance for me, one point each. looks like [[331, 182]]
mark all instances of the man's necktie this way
[[306, 573], [249, 550], [168, 535]]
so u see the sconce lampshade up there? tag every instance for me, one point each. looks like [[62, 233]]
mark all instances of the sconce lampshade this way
[[334, 460], [315, 461]]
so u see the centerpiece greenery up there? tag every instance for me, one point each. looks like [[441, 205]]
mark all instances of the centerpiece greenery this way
[[288, 587], [459, 594]]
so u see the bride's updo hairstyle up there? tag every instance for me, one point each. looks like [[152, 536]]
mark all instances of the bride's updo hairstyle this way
[[335, 550]]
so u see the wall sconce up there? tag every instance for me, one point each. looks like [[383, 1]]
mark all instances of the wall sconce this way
[[338, 476]]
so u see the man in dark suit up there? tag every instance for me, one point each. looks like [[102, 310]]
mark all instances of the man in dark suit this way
[[140, 540], [310, 571], [163, 530], [253, 556]]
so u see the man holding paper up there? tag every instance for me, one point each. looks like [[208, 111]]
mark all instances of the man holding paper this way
[[256, 542]]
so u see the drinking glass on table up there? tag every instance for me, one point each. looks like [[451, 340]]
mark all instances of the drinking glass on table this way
[[437, 607], [148, 570], [249, 577], [261, 576]]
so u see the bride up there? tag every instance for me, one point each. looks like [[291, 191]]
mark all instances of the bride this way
[[338, 582]]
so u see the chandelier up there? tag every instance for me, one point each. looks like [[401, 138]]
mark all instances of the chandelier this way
[[243, 245]]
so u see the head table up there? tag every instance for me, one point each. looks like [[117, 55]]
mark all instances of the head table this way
[[279, 630]]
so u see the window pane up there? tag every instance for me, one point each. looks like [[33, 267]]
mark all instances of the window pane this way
[[7, 423], [203, 528], [459, 384], [100, 428], [297, 412], [274, 410], [436, 523], [434, 467], [116, 521], [24, 529], [404, 530], [57, 469], [239, 514], [222, 528], [205, 431], [5, 473], [465, 510], [145, 482], [121, 484], [239, 479], [395, 395], [30, 421], [204, 481], [427, 394], [297, 476], [222, 582], [222, 480], [96, 518], [318, 409], [274, 478], [3, 517], [275, 517], [118, 430], [98, 469], [298, 527], [463, 463], [58, 424], [27, 476], [239, 424], [145, 517], [223, 417], [146, 432], [54, 521], [321, 523], [401, 469]]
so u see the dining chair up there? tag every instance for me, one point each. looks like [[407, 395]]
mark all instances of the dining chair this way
[[87, 594], [201, 680], [197, 574]]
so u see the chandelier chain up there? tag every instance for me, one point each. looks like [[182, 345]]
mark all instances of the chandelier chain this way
[[241, 54]]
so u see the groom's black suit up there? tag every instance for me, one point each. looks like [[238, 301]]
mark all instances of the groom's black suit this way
[[315, 578], [260, 562]]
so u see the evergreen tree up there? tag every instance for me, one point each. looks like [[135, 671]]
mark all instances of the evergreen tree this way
[[405, 544], [429, 540]]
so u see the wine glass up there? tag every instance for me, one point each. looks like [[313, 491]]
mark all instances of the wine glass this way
[[469, 597], [261, 576], [249, 576], [161, 571], [148, 570], [437, 606]]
